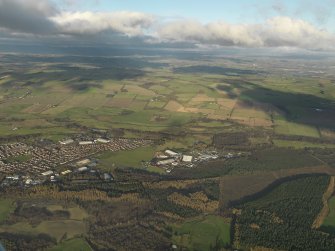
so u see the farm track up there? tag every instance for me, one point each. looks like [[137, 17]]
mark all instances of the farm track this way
[[325, 198]]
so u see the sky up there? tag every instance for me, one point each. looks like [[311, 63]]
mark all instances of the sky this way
[[303, 24], [318, 12]]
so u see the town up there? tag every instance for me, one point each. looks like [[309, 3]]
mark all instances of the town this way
[[33, 165], [28, 165]]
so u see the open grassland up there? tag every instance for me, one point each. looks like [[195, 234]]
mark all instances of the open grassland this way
[[202, 233], [56, 229], [6, 207], [290, 128], [170, 97], [139, 90], [328, 224], [300, 144], [326, 133], [34, 219], [265, 160], [326, 210], [53, 132], [156, 104], [77, 244], [181, 144], [110, 160], [235, 189], [76, 213], [251, 116], [273, 159], [155, 169]]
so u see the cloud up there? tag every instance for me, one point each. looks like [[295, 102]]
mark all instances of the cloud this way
[[219, 33], [285, 31], [83, 23], [29, 16], [41, 17], [275, 32]]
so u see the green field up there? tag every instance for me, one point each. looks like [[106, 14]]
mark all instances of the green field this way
[[76, 213], [329, 222], [173, 99], [72, 227], [300, 144], [6, 207], [201, 234], [77, 244], [56, 229], [290, 128], [110, 160], [155, 169]]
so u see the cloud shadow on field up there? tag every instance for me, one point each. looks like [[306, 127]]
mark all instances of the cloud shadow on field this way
[[203, 69], [299, 108]]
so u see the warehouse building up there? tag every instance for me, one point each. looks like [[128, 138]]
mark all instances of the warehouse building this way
[[171, 153], [187, 158], [66, 142]]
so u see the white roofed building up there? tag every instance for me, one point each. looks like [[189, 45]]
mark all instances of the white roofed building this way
[[165, 162], [162, 156], [83, 162], [171, 153], [66, 172], [82, 169], [187, 158], [103, 141], [47, 173], [66, 142], [83, 143]]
